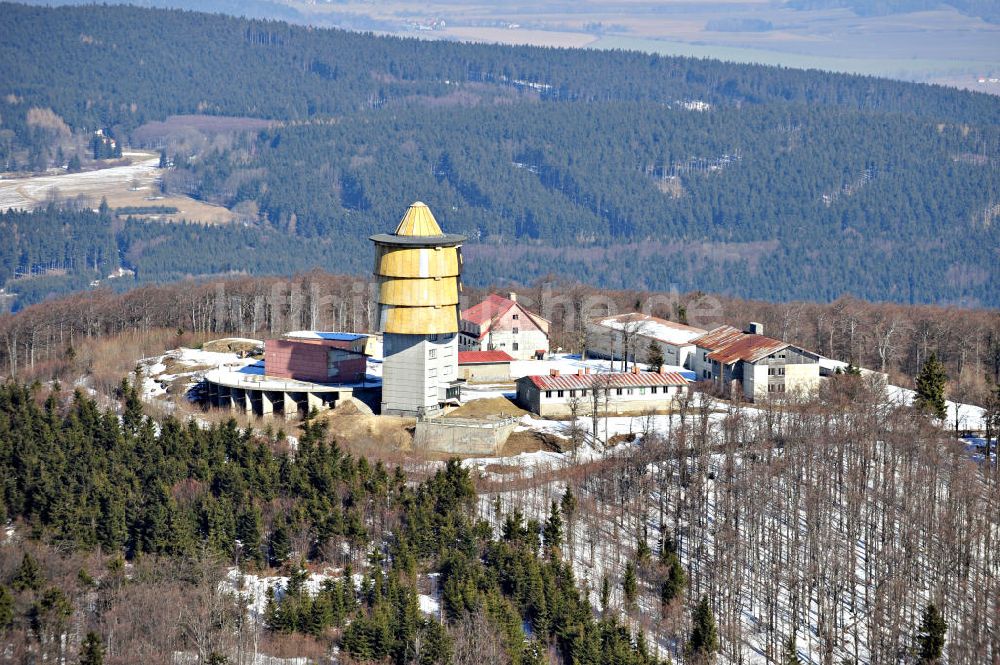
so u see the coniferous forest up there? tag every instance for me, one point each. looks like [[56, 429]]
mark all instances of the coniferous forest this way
[[619, 169]]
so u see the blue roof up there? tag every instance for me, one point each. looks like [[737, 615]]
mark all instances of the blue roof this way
[[331, 336]]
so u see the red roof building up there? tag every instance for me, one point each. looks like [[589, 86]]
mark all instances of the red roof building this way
[[503, 324], [483, 357], [558, 394]]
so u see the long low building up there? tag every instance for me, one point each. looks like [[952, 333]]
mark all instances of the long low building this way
[[617, 393], [629, 337], [484, 366]]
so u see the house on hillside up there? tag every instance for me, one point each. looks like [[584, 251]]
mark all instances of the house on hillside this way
[[617, 392], [503, 324], [628, 336], [764, 366]]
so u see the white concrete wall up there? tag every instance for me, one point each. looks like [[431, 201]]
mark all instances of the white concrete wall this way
[[414, 368]]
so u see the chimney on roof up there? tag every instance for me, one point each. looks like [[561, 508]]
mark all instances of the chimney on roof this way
[[663, 369], [755, 328], [579, 372], [586, 370], [553, 372], [635, 369], [512, 296]]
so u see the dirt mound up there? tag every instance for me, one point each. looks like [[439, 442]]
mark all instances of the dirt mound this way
[[491, 407], [233, 345], [366, 434]]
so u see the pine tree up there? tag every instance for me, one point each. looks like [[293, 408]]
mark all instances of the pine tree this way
[[673, 585], [92, 651], [642, 550], [553, 532], [654, 356], [791, 655], [6, 608], [930, 639], [29, 575], [605, 594], [930, 388], [704, 640], [630, 585], [281, 543]]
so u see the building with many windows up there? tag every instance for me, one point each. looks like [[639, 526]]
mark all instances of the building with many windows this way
[[617, 393]]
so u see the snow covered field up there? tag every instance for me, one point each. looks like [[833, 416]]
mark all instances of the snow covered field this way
[[28, 193]]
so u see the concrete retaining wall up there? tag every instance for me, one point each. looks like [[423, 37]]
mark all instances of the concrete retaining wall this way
[[463, 437]]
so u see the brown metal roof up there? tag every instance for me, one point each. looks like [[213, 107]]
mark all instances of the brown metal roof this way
[[748, 348], [717, 338], [607, 380]]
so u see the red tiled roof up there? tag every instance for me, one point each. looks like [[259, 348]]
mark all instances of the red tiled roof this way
[[748, 348], [488, 309], [609, 380], [717, 338], [473, 357]]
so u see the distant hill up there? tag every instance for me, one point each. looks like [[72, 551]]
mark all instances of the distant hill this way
[[622, 169]]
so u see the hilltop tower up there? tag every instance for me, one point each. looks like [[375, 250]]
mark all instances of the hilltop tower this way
[[418, 271]]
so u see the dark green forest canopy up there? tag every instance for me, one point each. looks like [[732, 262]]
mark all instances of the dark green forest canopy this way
[[795, 185], [82, 478]]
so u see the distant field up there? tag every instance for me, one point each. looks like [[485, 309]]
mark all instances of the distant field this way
[[937, 46], [912, 68], [133, 185]]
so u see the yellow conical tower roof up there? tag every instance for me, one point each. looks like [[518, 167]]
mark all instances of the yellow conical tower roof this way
[[418, 221]]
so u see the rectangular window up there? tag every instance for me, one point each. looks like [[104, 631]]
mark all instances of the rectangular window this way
[[642, 391], [515, 331], [653, 390], [515, 316], [548, 393], [432, 353], [583, 393], [559, 393], [572, 393], [514, 346], [618, 391]]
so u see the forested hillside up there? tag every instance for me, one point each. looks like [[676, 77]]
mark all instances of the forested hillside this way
[[620, 169]]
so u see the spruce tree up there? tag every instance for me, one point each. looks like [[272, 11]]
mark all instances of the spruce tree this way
[[630, 585], [605, 594], [930, 388], [673, 585], [791, 655], [930, 640], [29, 575], [654, 356], [553, 532], [6, 607], [92, 651], [704, 640]]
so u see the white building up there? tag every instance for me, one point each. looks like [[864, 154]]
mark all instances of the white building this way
[[616, 392], [762, 366], [503, 324], [608, 337]]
